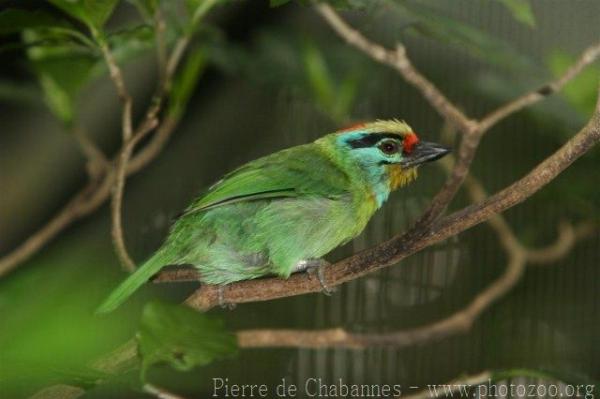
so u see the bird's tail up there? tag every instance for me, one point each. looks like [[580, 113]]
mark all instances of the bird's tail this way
[[132, 283]]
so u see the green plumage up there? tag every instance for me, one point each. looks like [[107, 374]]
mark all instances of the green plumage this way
[[270, 214]]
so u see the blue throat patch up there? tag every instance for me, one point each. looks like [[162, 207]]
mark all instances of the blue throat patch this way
[[370, 161]]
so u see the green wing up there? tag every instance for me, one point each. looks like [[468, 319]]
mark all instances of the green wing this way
[[298, 171]]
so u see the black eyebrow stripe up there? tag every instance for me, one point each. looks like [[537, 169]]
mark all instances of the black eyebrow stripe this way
[[370, 139]]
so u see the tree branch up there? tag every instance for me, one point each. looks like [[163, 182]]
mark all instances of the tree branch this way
[[117, 197], [587, 57], [96, 160], [117, 77]]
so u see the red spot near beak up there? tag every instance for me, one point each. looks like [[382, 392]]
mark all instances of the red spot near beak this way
[[354, 126], [410, 140]]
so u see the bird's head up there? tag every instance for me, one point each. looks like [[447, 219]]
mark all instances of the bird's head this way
[[384, 154]]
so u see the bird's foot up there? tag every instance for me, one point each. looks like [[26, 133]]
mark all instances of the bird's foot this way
[[221, 296], [316, 266]]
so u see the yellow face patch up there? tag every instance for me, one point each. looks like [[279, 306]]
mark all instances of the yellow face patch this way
[[400, 177]]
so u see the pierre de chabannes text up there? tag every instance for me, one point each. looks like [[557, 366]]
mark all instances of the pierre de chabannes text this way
[[319, 388]]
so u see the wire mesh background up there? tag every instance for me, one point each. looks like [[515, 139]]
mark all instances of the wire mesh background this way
[[549, 321]]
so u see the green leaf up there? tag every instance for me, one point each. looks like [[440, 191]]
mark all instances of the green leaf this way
[[432, 23], [128, 43], [62, 69], [15, 20], [98, 11], [146, 8], [346, 96], [93, 13], [521, 11], [185, 82], [182, 337], [319, 78], [335, 99], [581, 91]]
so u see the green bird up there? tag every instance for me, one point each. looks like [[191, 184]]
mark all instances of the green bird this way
[[281, 213]]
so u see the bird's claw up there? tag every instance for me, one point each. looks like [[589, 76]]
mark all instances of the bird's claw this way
[[221, 296], [318, 270]]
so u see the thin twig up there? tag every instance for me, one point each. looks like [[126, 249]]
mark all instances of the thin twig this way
[[568, 235], [587, 57], [117, 202], [96, 160], [116, 76]]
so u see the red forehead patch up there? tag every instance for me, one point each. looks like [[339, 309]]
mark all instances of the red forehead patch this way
[[410, 140]]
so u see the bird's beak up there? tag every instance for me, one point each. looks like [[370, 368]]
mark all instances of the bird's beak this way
[[423, 152]]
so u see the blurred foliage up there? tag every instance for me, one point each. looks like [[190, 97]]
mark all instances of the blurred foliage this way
[[521, 11], [336, 99], [26, 94], [61, 51], [48, 332], [186, 81], [62, 69], [65, 57], [94, 13], [433, 23], [181, 337], [14, 20], [581, 92]]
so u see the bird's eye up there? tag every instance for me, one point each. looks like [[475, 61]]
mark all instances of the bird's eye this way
[[389, 147]]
